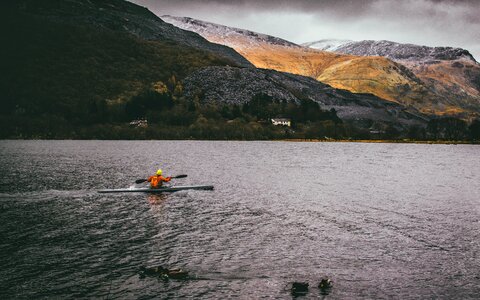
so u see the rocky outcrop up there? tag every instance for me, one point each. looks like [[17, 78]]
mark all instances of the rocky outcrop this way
[[239, 85]]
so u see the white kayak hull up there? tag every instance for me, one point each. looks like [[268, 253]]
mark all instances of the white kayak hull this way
[[169, 189]]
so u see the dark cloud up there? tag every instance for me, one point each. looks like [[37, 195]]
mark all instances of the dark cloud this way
[[466, 11], [429, 22], [350, 6], [342, 6]]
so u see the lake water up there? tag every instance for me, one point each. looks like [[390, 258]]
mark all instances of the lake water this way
[[380, 220]]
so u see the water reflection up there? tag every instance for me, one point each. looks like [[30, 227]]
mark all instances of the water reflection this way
[[157, 199]]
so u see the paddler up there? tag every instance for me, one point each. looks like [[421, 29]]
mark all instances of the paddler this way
[[156, 181]]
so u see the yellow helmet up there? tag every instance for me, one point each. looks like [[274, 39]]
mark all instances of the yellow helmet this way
[[159, 172]]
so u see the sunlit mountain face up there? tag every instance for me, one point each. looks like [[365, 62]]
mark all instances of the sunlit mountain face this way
[[451, 72], [443, 84]]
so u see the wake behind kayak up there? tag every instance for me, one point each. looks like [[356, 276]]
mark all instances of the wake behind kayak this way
[[169, 189]]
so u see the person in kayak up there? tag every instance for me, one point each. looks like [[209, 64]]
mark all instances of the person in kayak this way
[[157, 180]]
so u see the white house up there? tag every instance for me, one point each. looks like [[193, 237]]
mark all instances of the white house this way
[[281, 121], [139, 123]]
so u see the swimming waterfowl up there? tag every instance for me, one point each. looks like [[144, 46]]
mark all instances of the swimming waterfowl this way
[[163, 273], [299, 288]]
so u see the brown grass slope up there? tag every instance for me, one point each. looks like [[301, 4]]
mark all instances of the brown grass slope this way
[[359, 74], [452, 74], [458, 81], [375, 75]]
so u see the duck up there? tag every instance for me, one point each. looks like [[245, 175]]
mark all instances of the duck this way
[[299, 288], [163, 273], [325, 284]]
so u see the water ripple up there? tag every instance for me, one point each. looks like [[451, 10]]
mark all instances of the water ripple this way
[[383, 221]]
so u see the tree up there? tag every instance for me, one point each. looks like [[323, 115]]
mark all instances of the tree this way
[[156, 99], [416, 132], [178, 92], [172, 83], [448, 128], [474, 130], [391, 132]]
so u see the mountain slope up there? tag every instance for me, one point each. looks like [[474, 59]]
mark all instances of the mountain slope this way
[[62, 57], [72, 64], [379, 76], [122, 16], [237, 86], [451, 73]]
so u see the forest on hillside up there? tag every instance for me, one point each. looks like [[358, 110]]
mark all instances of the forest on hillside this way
[[161, 111]]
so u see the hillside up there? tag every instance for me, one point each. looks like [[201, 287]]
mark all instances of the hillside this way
[[451, 73], [381, 77], [235, 86], [122, 17], [60, 63]]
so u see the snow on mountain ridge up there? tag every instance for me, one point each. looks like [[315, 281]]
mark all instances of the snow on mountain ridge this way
[[230, 36], [326, 44], [393, 50]]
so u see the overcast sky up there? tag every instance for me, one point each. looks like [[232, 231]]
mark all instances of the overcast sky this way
[[453, 23]]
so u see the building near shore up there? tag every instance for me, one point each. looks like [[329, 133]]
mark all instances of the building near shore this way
[[281, 122]]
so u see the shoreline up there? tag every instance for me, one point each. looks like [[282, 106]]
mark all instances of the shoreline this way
[[404, 141], [383, 141]]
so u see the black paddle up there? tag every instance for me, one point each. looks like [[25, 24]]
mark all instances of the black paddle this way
[[143, 180]]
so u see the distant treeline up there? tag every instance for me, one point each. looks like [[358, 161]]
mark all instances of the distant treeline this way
[[169, 115]]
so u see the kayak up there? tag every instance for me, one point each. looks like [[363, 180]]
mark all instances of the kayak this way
[[169, 189]]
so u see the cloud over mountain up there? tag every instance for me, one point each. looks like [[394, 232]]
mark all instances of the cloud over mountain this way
[[430, 22]]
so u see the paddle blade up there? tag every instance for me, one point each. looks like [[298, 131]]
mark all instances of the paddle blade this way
[[140, 180], [180, 176]]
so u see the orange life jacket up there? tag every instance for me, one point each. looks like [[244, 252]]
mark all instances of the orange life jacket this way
[[157, 181]]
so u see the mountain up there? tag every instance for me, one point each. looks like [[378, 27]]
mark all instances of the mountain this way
[[70, 65], [237, 85], [359, 74], [121, 16], [451, 73], [62, 57]]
